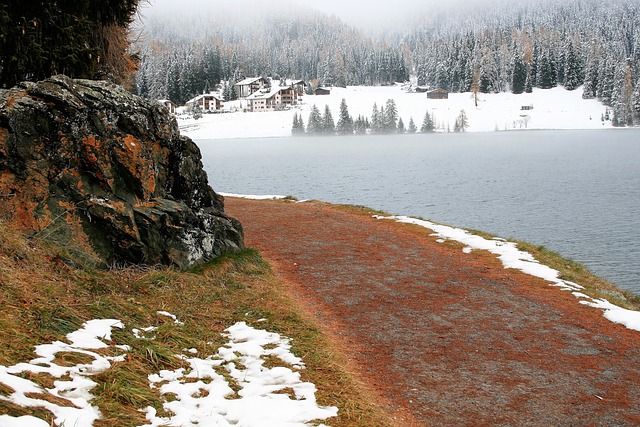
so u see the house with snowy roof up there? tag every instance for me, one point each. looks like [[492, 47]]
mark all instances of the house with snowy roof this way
[[208, 102], [251, 85], [273, 98]]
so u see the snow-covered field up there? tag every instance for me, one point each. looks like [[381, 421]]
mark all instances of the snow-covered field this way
[[555, 108]]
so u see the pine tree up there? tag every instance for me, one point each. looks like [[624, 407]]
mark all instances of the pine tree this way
[[375, 119], [314, 124], [298, 125], [574, 68], [412, 126], [428, 124], [401, 128], [328, 125], [390, 117], [196, 111], [360, 126], [518, 75], [345, 122], [81, 39]]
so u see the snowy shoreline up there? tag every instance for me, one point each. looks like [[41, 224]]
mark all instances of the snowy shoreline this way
[[553, 109], [510, 256]]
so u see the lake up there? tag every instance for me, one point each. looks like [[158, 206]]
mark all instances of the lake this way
[[575, 192]]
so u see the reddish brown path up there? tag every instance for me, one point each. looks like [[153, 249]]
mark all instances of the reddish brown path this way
[[451, 338]]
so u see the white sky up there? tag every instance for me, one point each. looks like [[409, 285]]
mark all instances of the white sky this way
[[371, 13]]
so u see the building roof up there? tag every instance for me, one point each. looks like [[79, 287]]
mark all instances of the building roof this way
[[205, 95], [248, 81], [267, 92]]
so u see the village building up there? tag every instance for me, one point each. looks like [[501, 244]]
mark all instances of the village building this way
[[171, 106], [273, 98], [322, 91], [251, 85], [438, 94], [207, 102]]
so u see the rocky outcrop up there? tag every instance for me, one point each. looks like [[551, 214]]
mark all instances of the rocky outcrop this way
[[87, 162]]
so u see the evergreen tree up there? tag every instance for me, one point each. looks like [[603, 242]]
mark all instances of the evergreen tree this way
[[345, 122], [518, 75], [81, 39], [328, 125], [390, 117], [315, 123], [401, 128], [635, 103], [547, 76], [412, 126], [196, 111], [375, 119], [428, 124], [574, 68], [462, 123], [298, 125], [360, 126]]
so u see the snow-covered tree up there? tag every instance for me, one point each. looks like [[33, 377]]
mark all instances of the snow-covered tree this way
[[315, 123], [412, 126], [389, 117], [428, 123], [328, 125], [462, 123], [345, 122], [298, 125], [401, 128]]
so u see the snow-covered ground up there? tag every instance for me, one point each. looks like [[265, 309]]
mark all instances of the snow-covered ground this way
[[200, 395], [555, 108]]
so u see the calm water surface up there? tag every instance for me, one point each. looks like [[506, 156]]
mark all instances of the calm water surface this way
[[575, 192]]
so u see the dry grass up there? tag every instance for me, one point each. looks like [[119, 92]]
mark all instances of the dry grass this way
[[45, 295]]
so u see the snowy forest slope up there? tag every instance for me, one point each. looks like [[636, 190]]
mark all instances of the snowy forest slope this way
[[493, 47]]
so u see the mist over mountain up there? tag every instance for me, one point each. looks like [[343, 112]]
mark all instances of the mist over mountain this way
[[490, 46]]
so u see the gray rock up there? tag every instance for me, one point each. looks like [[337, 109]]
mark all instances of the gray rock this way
[[89, 162]]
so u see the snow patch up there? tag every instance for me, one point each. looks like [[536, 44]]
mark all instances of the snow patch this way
[[512, 257]]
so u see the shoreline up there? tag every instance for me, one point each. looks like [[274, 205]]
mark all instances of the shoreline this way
[[605, 296]]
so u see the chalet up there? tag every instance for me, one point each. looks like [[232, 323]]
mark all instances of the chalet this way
[[251, 85], [322, 91], [171, 106], [438, 94], [298, 85], [274, 98], [208, 102]]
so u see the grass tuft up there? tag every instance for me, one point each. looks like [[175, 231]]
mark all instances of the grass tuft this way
[[46, 293]]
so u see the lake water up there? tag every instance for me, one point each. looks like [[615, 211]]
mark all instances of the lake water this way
[[575, 192]]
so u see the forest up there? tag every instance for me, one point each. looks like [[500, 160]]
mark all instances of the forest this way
[[509, 46]]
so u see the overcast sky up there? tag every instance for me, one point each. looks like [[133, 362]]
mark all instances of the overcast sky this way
[[356, 12]]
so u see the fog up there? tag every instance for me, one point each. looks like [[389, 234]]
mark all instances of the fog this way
[[361, 13]]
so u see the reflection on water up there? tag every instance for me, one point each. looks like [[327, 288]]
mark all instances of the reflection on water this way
[[576, 192]]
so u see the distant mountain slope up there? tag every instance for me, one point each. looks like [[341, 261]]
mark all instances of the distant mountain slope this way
[[494, 46]]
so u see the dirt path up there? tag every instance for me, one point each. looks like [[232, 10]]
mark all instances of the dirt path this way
[[451, 338]]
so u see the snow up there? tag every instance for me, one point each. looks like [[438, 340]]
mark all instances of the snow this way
[[199, 395], [77, 389], [512, 257], [555, 108], [260, 401], [253, 197]]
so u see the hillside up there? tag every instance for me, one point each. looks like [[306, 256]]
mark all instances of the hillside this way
[[488, 47]]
